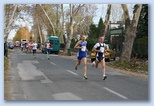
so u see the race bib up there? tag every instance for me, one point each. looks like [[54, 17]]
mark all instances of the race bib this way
[[102, 49], [83, 48]]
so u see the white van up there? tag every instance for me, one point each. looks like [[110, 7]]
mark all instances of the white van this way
[[24, 40]]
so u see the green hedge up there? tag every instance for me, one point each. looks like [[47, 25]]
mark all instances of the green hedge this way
[[140, 47]]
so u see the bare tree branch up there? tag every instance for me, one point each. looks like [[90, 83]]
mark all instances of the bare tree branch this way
[[126, 13], [77, 9], [107, 17], [48, 19], [136, 16]]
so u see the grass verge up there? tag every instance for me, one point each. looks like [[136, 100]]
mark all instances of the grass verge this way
[[138, 68], [7, 95]]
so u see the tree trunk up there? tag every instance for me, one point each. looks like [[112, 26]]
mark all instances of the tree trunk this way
[[39, 31], [68, 42], [48, 19], [63, 25], [128, 43], [131, 27], [107, 17]]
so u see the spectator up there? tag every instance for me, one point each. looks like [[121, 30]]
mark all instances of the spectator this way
[[6, 49]]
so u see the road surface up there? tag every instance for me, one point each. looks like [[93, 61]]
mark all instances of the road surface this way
[[56, 79]]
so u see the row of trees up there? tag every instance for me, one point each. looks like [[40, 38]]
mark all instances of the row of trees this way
[[73, 19]]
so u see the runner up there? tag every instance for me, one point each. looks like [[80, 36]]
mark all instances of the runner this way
[[22, 46], [34, 45], [82, 54], [99, 48], [27, 47], [48, 47]]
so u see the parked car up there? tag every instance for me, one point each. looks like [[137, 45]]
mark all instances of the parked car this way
[[11, 45], [109, 54]]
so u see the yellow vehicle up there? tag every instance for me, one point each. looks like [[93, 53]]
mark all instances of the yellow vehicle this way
[[109, 54]]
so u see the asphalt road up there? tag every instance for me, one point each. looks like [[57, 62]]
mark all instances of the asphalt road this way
[[56, 79]]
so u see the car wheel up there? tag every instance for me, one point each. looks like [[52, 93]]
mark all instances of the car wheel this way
[[56, 52], [114, 57], [107, 59]]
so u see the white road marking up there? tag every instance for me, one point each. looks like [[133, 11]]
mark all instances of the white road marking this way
[[124, 97], [53, 55], [72, 72], [42, 58], [46, 81], [52, 63], [66, 96]]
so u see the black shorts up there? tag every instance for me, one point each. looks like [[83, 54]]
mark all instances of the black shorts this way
[[34, 51], [99, 59]]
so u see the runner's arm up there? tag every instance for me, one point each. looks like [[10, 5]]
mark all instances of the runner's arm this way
[[94, 48], [77, 45]]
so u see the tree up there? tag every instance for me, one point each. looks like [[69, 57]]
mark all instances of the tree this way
[[84, 18], [68, 42], [39, 31], [22, 33], [101, 27], [107, 17], [140, 46], [64, 34], [10, 19], [48, 19], [73, 12], [130, 31], [93, 31], [142, 28]]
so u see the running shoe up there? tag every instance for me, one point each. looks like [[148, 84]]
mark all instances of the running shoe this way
[[85, 77], [104, 77], [93, 64], [76, 67]]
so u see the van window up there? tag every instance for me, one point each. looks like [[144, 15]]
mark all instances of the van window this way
[[56, 42], [51, 41]]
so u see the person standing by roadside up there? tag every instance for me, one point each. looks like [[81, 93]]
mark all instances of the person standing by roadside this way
[[99, 48], [82, 54], [6, 49], [34, 47]]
